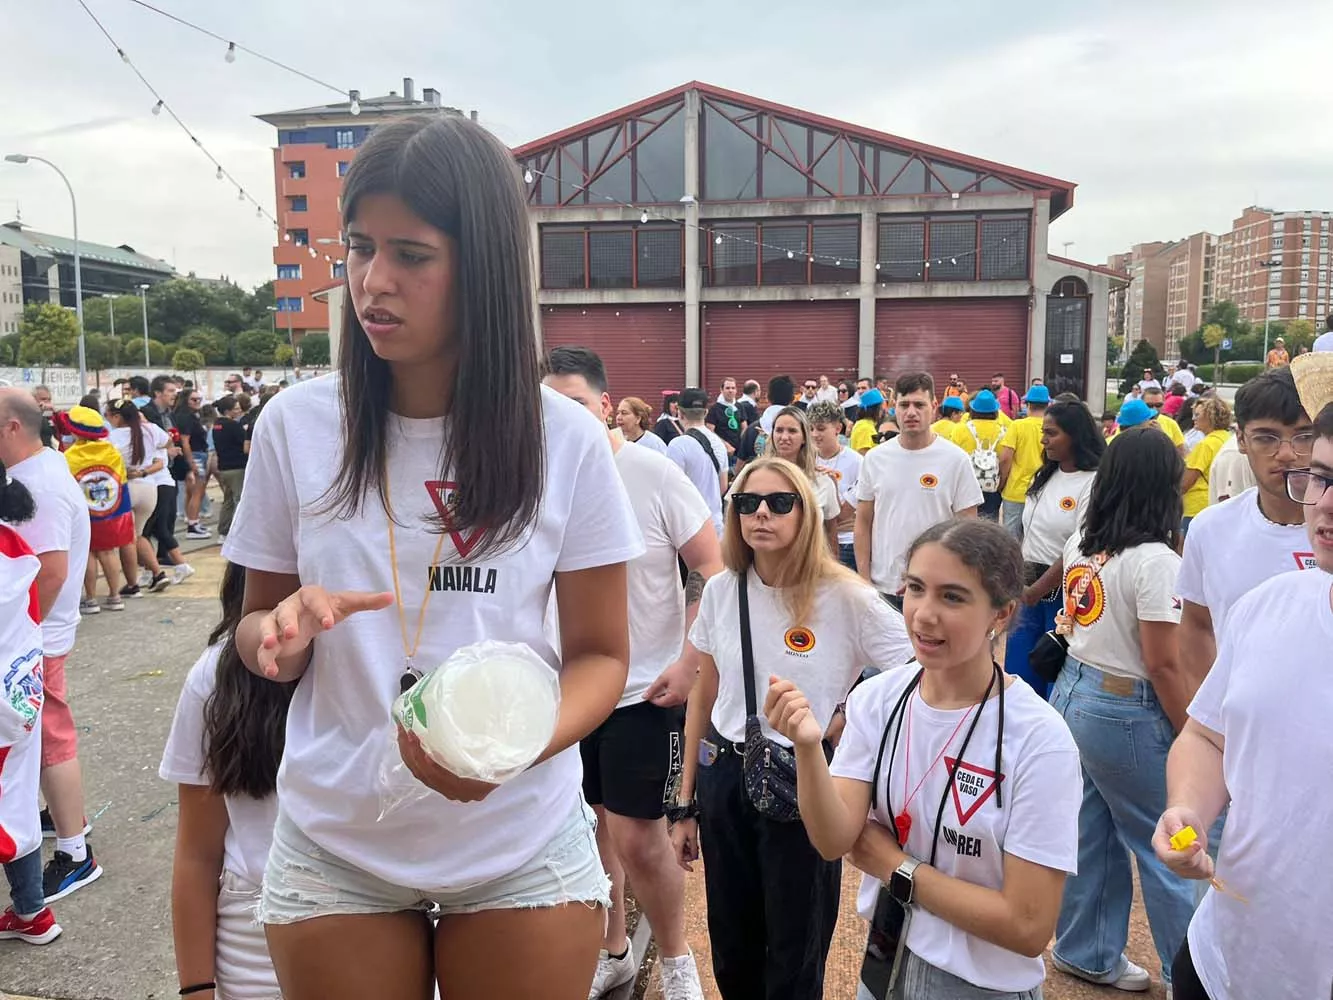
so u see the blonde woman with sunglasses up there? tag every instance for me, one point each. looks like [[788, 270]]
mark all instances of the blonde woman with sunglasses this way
[[809, 620]]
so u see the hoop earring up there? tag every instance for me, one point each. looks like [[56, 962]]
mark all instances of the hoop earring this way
[[991, 635]]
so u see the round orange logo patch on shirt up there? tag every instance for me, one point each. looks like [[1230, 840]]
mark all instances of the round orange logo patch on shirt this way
[[1093, 602], [1068, 503], [929, 481], [799, 640]]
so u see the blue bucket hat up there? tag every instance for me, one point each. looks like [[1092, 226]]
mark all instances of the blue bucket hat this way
[[872, 397], [985, 402], [1133, 413], [1038, 394], [952, 403]]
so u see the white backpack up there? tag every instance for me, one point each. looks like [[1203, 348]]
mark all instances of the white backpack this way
[[985, 461]]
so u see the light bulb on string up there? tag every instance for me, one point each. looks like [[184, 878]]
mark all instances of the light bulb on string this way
[[231, 52], [287, 237], [240, 194], [219, 173], [718, 241], [527, 177], [791, 255], [259, 212], [644, 217], [356, 106], [876, 266], [314, 252], [157, 108], [123, 57]]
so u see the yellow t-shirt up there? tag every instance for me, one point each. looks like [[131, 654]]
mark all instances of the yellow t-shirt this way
[[1171, 429], [1003, 419], [1024, 438], [1201, 459], [945, 428], [863, 436], [988, 432]]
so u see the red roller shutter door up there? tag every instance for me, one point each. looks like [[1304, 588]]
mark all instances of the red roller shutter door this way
[[974, 337], [761, 340], [642, 346]]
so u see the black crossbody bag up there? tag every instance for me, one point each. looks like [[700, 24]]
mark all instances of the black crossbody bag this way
[[769, 768]]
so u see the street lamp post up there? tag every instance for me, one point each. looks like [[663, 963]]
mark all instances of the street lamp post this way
[[1268, 265], [78, 272], [143, 298], [111, 312]]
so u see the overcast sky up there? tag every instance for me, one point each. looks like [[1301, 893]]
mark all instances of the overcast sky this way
[[1170, 116]]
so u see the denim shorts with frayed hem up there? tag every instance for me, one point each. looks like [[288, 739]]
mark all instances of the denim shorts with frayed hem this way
[[303, 880]]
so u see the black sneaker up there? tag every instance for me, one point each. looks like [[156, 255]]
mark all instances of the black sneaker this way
[[49, 826], [64, 875], [133, 591], [160, 582]]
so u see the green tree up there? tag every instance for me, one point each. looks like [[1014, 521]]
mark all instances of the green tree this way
[[101, 351], [283, 354], [9, 348], [131, 347], [260, 299], [209, 342], [174, 307], [315, 349], [49, 335], [187, 359], [97, 314], [254, 347], [157, 352], [1143, 356], [1300, 333]]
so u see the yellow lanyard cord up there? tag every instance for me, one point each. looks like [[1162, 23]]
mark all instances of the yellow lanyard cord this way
[[409, 653]]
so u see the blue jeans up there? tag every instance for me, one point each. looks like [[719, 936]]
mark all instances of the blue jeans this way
[[1123, 737], [25, 883], [847, 556], [1011, 515], [1031, 623]]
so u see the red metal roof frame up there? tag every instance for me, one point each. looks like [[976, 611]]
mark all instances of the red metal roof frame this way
[[1112, 272], [1062, 192]]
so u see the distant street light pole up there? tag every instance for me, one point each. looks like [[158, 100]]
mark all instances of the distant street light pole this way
[[78, 273], [1268, 265], [1067, 244], [143, 297], [111, 312], [273, 318]]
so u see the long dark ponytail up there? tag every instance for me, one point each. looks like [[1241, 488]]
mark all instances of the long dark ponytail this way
[[16, 503], [245, 718], [129, 414]]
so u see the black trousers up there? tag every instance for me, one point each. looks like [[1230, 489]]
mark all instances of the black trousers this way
[[161, 527], [772, 900], [1185, 983]]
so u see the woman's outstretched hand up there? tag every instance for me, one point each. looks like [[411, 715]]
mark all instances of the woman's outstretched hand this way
[[290, 627]]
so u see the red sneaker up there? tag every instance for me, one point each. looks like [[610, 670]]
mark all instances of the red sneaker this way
[[41, 929]]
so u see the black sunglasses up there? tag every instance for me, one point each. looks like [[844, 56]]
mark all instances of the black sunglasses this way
[[747, 504]]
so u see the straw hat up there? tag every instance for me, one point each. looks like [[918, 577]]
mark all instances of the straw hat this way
[[1313, 374]]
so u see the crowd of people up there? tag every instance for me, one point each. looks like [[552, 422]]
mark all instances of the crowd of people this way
[[995, 654]]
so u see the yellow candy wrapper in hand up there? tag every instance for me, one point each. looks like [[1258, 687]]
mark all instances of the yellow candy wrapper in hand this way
[[1182, 838]]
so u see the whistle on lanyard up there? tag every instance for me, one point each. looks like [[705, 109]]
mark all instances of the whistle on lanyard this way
[[1186, 836]]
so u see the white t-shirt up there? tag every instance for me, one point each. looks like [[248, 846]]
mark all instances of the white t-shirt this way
[[1138, 585], [652, 442], [769, 415], [155, 443], [689, 454], [844, 469], [61, 524], [249, 821], [828, 394], [339, 727], [912, 491], [1149, 383], [1053, 515], [850, 629], [21, 698], [1034, 816], [1230, 474], [1270, 695], [1182, 376], [670, 512], [1231, 548]]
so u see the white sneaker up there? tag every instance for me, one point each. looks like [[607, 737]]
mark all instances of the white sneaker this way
[[680, 978], [1134, 979], [183, 572], [145, 578], [613, 972], [197, 530]]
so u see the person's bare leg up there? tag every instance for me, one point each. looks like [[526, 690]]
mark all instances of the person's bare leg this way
[[616, 936], [194, 498], [62, 787], [147, 557], [542, 953], [129, 564], [90, 578], [106, 558], [644, 849], [385, 956]]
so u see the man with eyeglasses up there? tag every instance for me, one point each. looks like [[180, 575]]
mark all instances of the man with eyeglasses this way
[[1236, 545], [809, 397], [233, 384], [1257, 738], [1156, 399], [726, 419]]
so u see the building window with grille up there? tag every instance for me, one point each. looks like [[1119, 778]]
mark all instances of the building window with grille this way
[[986, 247], [782, 252], [612, 256], [289, 272], [344, 138], [339, 269], [300, 237], [290, 303], [296, 171], [297, 203], [342, 167]]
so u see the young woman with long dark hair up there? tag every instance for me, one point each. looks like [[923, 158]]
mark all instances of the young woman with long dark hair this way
[[772, 901], [368, 493], [138, 442], [1124, 695], [1057, 497], [223, 754], [970, 782]]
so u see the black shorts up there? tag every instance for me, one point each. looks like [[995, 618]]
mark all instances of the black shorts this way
[[632, 761]]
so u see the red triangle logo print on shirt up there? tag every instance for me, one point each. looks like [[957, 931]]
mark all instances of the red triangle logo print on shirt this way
[[972, 786], [445, 497]]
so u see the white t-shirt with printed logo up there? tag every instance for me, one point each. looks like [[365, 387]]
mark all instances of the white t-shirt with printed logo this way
[[1137, 585], [1270, 695], [670, 512], [1029, 809], [1231, 548], [850, 629], [912, 491], [339, 727], [250, 821], [1053, 515], [844, 469], [21, 698], [61, 524]]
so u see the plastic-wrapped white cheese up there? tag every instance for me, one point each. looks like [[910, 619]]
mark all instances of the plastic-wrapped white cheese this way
[[487, 712]]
